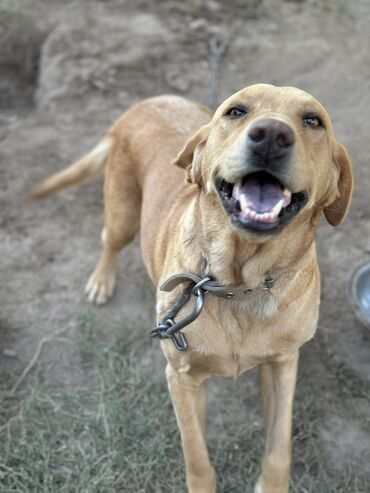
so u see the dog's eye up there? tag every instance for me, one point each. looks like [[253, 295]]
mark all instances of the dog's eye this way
[[312, 121], [236, 112]]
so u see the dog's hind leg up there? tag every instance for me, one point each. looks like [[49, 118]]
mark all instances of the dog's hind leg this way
[[122, 199], [278, 380]]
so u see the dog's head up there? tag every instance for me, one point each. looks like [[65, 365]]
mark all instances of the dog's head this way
[[268, 154]]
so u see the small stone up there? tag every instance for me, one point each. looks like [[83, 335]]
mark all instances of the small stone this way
[[213, 6], [10, 353], [198, 24]]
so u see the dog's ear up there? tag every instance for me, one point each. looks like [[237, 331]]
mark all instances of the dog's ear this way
[[190, 156], [337, 210]]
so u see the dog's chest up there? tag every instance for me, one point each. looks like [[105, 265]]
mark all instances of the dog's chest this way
[[231, 337], [242, 330]]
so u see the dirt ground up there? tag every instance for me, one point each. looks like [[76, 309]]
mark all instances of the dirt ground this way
[[67, 70]]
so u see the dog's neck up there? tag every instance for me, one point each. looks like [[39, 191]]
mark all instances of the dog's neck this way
[[231, 258]]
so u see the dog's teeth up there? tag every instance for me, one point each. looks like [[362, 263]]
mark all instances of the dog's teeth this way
[[277, 208], [282, 203], [258, 216], [236, 191], [243, 202], [287, 196]]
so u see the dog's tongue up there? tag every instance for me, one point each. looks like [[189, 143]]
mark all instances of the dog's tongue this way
[[263, 198]]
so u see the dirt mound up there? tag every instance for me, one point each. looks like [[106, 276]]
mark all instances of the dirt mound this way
[[99, 53]]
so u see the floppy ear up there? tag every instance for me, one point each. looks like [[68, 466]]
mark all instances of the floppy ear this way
[[337, 210], [190, 156]]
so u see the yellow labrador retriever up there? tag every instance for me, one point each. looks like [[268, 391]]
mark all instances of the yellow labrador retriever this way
[[237, 230]]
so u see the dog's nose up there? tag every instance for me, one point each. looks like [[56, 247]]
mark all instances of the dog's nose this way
[[270, 138]]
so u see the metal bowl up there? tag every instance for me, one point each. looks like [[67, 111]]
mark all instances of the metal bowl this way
[[360, 293]]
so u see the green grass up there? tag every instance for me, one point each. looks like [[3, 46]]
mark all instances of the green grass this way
[[99, 420], [110, 429]]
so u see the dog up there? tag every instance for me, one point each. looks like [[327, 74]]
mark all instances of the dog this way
[[228, 202]]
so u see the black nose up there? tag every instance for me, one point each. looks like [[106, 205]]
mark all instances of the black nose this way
[[270, 138]]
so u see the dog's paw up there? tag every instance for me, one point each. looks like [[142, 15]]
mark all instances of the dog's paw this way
[[258, 489], [100, 287], [262, 487]]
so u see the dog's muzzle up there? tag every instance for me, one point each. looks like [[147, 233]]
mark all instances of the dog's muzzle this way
[[260, 201]]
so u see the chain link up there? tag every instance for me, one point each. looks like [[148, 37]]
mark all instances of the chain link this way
[[217, 47]]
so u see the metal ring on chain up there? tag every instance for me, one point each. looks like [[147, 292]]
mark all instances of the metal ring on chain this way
[[200, 284]]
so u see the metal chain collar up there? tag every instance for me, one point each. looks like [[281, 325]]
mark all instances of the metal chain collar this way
[[168, 328]]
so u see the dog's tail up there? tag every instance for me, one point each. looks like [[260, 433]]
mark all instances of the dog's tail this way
[[88, 167]]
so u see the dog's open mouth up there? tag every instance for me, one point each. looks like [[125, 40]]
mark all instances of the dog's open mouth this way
[[260, 202]]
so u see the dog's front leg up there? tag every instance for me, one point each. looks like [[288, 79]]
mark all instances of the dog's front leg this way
[[278, 380], [189, 400]]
